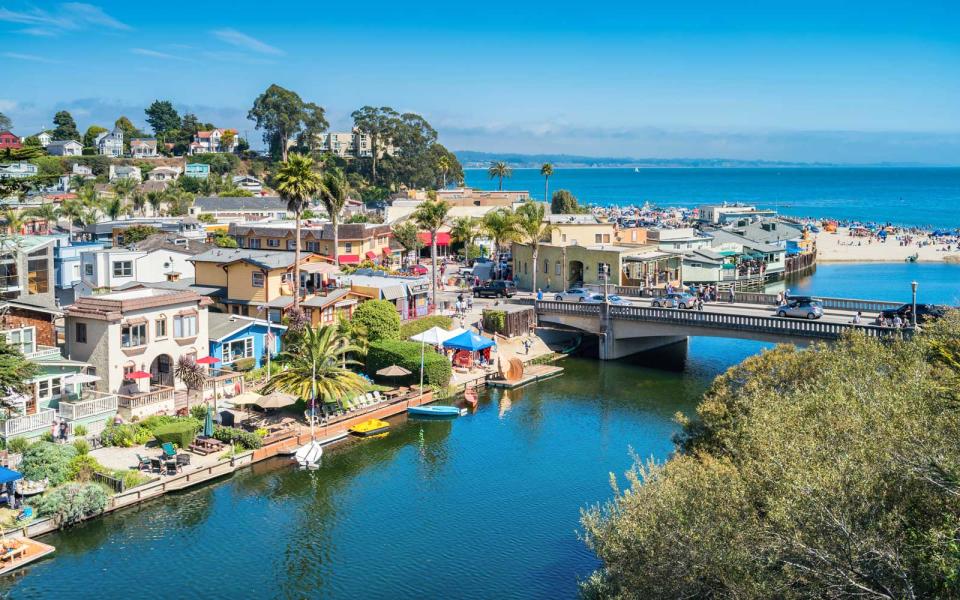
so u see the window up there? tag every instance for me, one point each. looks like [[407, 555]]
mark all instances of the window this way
[[254, 244], [348, 246], [557, 269], [185, 326], [313, 247], [80, 333], [88, 270], [273, 243], [38, 276], [598, 239], [238, 349], [546, 266], [291, 244], [161, 327], [132, 336], [257, 279], [241, 241], [23, 339], [123, 268]]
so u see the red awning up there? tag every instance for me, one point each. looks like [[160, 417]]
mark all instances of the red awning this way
[[348, 259], [371, 254], [443, 239], [387, 251]]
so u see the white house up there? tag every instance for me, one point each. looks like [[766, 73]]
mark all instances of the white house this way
[[248, 182], [212, 141], [107, 269], [125, 172], [65, 148], [44, 137], [163, 174], [18, 170], [110, 143], [143, 148]]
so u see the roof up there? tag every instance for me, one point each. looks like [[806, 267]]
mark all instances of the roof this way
[[573, 219], [767, 231], [58, 143], [112, 306], [172, 243], [221, 326], [233, 203], [318, 231], [268, 259], [25, 243], [144, 141], [725, 236], [331, 298], [188, 283], [26, 304]]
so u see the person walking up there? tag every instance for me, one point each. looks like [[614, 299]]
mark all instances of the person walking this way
[[700, 303], [733, 294], [63, 431], [539, 295]]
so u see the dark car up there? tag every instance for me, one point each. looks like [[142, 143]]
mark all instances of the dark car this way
[[496, 289], [925, 312]]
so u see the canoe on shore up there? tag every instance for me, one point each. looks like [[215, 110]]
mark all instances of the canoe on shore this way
[[434, 411], [370, 427]]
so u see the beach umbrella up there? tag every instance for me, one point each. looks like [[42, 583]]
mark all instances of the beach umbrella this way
[[435, 336], [208, 360], [138, 375], [208, 423], [80, 378], [246, 398], [276, 400], [393, 371]]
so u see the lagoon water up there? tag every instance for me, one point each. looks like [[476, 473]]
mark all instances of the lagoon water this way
[[485, 506], [928, 197]]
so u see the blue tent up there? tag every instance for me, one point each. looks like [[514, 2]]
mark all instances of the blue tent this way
[[8, 476], [469, 341]]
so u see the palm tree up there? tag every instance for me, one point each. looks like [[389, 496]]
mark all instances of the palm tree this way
[[408, 236], [88, 196], [501, 226], [334, 194], [465, 230], [431, 216], [317, 366], [14, 221], [113, 207], [499, 170], [47, 212], [72, 210], [546, 170], [123, 188], [443, 164], [139, 201], [297, 182], [191, 374], [155, 200], [533, 229]]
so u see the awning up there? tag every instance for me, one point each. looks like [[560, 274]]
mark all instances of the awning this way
[[443, 239], [393, 292], [371, 254], [469, 341], [387, 251], [8, 476], [348, 259]]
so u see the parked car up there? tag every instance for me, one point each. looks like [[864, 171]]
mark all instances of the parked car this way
[[925, 312], [418, 270], [573, 295], [801, 307], [495, 289], [679, 300], [612, 299]]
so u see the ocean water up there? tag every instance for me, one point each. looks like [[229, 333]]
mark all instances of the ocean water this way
[[926, 197]]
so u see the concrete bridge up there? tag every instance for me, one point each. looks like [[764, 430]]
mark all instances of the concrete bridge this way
[[626, 330]]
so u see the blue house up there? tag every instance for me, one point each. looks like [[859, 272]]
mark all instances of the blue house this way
[[198, 170], [233, 337]]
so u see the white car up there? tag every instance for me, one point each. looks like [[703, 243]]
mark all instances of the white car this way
[[574, 295], [612, 299]]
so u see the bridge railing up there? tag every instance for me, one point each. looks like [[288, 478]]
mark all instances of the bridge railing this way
[[852, 304], [569, 308]]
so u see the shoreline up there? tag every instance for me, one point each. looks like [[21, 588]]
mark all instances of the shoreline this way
[[844, 247]]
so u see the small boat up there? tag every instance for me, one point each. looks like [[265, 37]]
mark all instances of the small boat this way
[[370, 427], [308, 456], [434, 411]]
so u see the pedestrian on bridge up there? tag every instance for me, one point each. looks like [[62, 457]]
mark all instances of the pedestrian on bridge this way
[[857, 318], [733, 294], [700, 303]]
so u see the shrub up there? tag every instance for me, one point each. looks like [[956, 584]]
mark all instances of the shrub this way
[[47, 436], [232, 435], [244, 364], [380, 318], [199, 411], [81, 446], [180, 433], [17, 445], [495, 321], [131, 477], [155, 421], [82, 468], [80, 430], [73, 502], [436, 367], [45, 460], [417, 326], [125, 436]]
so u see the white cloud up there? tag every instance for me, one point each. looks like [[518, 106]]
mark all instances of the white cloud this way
[[156, 54], [93, 15], [7, 105], [30, 57], [72, 16], [242, 40], [37, 31]]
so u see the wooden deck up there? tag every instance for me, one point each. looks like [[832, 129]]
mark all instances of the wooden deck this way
[[26, 552], [531, 373]]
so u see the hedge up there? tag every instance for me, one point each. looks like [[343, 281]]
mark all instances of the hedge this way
[[46, 460], [436, 367], [412, 328], [180, 433], [73, 502], [232, 435], [380, 318]]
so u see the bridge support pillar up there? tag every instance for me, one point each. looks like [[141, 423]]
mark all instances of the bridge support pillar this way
[[612, 349]]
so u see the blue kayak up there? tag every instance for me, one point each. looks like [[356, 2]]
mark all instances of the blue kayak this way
[[434, 411]]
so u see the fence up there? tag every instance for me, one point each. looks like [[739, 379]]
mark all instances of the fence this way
[[111, 482]]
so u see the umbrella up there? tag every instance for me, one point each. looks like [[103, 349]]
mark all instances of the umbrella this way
[[208, 424], [246, 398], [80, 378], [208, 360], [434, 336], [393, 371], [276, 400], [138, 375]]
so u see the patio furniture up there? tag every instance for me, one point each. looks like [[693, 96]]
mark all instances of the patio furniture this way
[[168, 450], [183, 460], [156, 465], [172, 466], [144, 463]]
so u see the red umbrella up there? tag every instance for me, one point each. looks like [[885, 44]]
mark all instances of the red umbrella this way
[[138, 375], [207, 360]]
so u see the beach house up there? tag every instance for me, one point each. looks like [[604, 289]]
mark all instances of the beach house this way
[[241, 343], [357, 241]]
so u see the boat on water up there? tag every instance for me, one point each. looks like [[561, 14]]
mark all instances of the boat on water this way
[[434, 411], [308, 456], [370, 427]]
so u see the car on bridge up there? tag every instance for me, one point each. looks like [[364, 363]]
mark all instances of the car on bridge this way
[[573, 295], [612, 299], [801, 307], [501, 288], [679, 300], [925, 312]]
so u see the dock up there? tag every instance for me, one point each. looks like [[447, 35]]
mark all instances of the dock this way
[[530, 374], [20, 551]]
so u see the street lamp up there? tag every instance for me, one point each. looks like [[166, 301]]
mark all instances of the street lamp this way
[[913, 310]]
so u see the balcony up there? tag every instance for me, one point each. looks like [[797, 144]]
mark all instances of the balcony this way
[[90, 403], [39, 421], [157, 395], [42, 352], [228, 383]]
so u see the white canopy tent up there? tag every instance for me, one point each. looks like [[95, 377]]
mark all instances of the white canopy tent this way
[[436, 336]]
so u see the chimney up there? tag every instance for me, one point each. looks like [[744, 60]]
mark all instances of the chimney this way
[[173, 276]]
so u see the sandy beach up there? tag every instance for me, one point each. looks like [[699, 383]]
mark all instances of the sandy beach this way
[[843, 247]]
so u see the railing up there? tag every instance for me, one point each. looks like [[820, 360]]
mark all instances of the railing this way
[[42, 352], [575, 308], [225, 382], [100, 403], [17, 425], [156, 396], [851, 304], [112, 482]]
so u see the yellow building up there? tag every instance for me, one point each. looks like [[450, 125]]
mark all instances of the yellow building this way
[[581, 229], [357, 241]]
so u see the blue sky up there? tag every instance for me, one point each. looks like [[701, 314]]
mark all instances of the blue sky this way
[[834, 81]]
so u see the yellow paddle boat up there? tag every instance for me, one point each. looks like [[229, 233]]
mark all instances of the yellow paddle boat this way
[[370, 427]]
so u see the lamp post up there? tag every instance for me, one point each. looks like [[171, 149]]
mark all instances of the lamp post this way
[[913, 309]]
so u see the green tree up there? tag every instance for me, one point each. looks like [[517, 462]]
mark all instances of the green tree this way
[[334, 192], [155, 199], [501, 226], [130, 131], [112, 207], [66, 127], [15, 370], [5, 122], [431, 216], [317, 367], [533, 229], [72, 210], [407, 235], [222, 240], [443, 165], [123, 188], [138, 233], [90, 137], [138, 201], [314, 123], [380, 125], [298, 182], [280, 114], [13, 221], [546, 169], [564, 203], [379, 318], [499, 170], [163, 118], [465, 230]]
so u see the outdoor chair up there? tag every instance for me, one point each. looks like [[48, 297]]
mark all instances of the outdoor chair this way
[[377, 397], [172, 467], [144, 463], [168, 450], [156, 465], [370, 400], [183, 459]]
